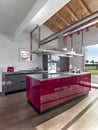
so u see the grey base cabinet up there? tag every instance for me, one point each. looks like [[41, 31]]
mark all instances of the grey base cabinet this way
[[15, 81], [12, 83]]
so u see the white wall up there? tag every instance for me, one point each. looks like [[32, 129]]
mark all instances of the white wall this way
[[9, 52]]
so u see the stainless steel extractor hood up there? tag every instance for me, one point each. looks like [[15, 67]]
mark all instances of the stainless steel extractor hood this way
[[62, 53]]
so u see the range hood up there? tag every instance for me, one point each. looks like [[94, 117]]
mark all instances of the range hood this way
[[62, 53], [53, 51]]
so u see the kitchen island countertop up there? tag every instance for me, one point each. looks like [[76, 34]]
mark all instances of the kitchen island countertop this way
[[46, 76]]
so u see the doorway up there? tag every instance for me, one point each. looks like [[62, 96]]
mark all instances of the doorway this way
[[91, 63]]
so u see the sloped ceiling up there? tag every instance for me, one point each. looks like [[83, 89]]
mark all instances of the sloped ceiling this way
[[12, 12], [16, 15], [72, 13]]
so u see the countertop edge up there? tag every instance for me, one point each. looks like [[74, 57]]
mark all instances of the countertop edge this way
[[58, 77]]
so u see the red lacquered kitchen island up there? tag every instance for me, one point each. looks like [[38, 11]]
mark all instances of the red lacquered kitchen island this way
[[45, 91]]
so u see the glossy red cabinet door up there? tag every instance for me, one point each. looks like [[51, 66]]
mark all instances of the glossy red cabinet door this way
[[49, 93], [80, 84], [45, 92], [86, 82], [74, 81], [33, 91], [55, 84], [64, 91]]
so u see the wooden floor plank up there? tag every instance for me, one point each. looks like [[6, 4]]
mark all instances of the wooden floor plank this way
[[17, 114]]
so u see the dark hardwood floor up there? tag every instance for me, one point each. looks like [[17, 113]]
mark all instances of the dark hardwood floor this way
[[17, 114], [14, 109]]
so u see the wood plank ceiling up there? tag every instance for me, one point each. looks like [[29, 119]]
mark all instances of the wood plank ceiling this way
[[72, 13]]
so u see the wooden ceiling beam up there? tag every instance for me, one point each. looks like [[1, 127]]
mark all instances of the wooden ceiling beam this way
[[57, 24], [51, 27], [63, 19], [87, 29], [78, 32], [85, 6], [54, 24], [96, 25], [71, 12]]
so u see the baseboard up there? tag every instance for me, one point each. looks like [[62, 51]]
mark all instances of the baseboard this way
[[15, 91]]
